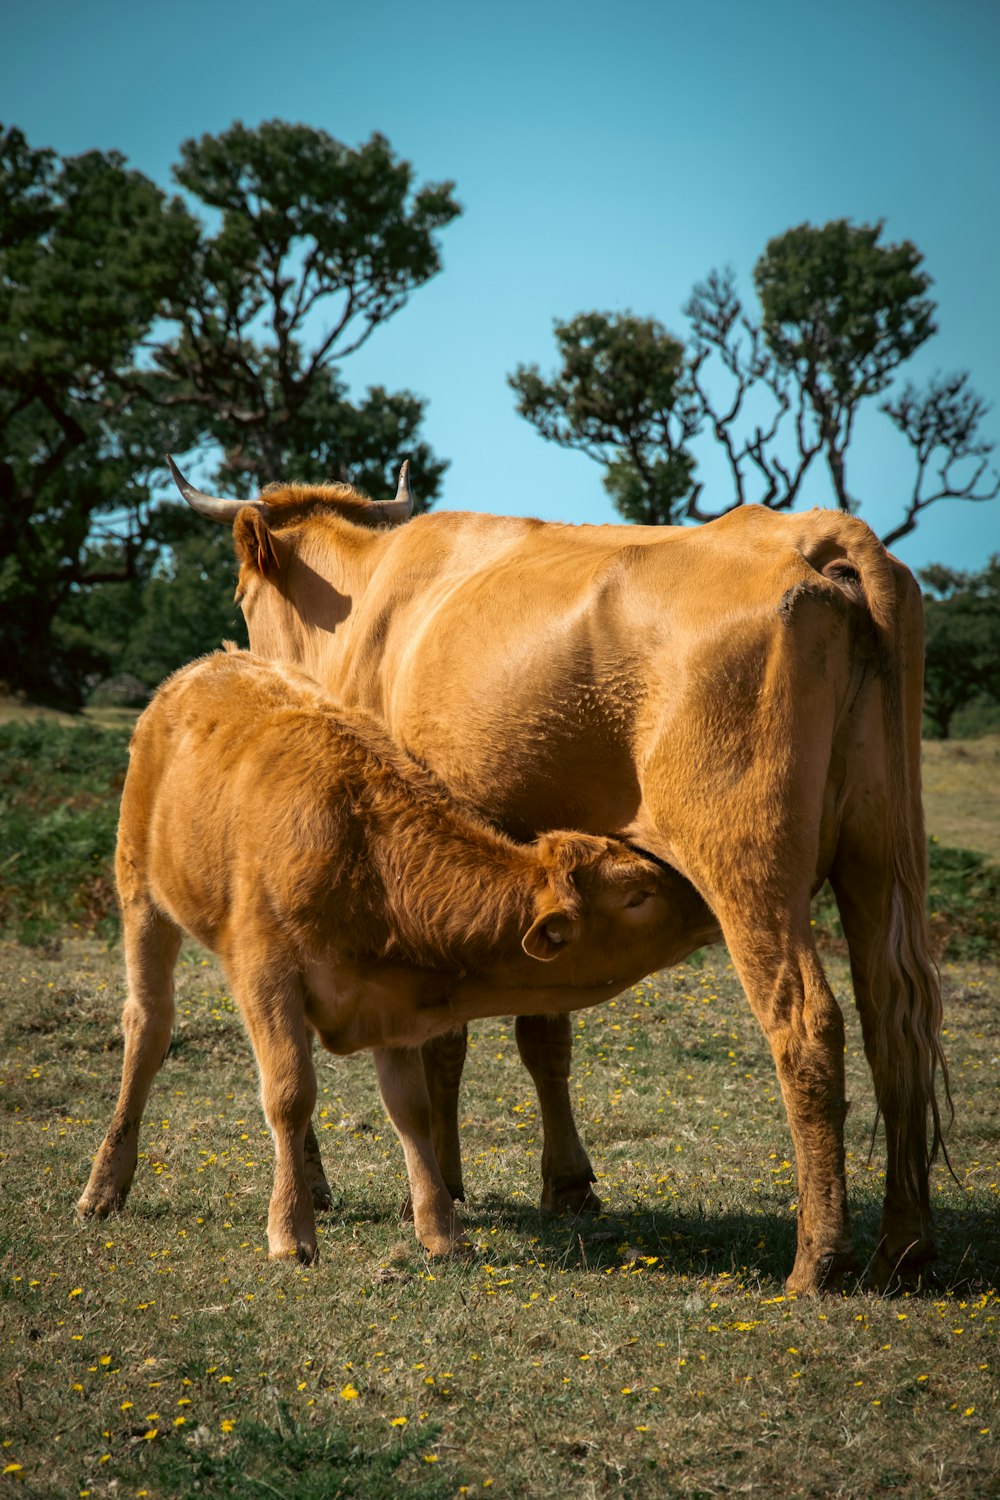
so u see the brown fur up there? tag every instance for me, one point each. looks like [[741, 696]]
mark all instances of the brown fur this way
[[742, 698], [287, 504], [346, 893]]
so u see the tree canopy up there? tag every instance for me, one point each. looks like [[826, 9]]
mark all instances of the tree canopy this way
[[133, 324], [840, 313], [88, 252], [306, 225], [620, 397]]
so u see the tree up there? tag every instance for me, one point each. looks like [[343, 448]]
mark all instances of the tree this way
[[130, 327], [88, 251], [840, 313], [306, 227], [182, 606], [962, 638], [621, 398]]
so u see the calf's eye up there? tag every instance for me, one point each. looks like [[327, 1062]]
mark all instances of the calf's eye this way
[[639, 898]]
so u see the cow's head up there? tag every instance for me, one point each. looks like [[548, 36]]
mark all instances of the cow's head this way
[[280, 539]]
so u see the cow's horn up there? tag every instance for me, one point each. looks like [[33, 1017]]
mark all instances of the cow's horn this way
[[401, 507], [206, 505]]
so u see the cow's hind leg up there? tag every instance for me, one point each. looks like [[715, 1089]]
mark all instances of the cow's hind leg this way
[[546, 1047], [898, 1000], [403, 1085], [879, 876], [151, 942]]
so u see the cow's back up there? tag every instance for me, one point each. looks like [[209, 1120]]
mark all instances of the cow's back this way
[[535, 666]]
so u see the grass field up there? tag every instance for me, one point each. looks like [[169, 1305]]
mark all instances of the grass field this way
[[646, 1352], [962, 793]]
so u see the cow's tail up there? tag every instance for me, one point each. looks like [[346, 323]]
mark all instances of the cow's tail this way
[[909, 1040], [908, 1063]]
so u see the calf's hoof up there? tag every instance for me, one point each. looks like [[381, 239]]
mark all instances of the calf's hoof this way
[[98, 1204], [817, 1274], [441, 1245], [570, 1198], [306, 1253]]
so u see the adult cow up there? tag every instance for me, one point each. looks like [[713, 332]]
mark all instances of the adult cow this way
[[742, 700]]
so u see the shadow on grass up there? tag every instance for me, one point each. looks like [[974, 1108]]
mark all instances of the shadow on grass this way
[[755, 1251]]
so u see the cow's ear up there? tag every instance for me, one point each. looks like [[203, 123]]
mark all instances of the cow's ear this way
[[548, 935], [256, 545]]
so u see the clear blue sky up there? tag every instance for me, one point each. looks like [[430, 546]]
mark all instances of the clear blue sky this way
[[607, 156]]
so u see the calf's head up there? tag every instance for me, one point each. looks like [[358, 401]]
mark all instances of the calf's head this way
[[604, 912]]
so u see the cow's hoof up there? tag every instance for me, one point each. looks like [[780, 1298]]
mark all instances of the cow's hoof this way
[[99, 1205], [570, 1198]]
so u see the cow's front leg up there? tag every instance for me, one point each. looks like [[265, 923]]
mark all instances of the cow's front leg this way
[[546, 1047], [804, 1027], [404, 1093]]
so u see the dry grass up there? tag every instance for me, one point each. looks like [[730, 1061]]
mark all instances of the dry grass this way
[[649, 1352], [962, 793]]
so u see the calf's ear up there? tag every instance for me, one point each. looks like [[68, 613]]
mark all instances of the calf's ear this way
[[547, 936], [255, 543]]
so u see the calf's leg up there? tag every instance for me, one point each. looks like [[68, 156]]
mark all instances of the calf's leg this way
[[151, 942], [444, 1059], [315, 1175], [404, 1093], [273, 1006]]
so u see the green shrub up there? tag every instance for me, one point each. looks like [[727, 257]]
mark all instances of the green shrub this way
[[963, 901], [59, 792]]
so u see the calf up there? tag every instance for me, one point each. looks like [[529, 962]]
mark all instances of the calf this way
[[347, 894]]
